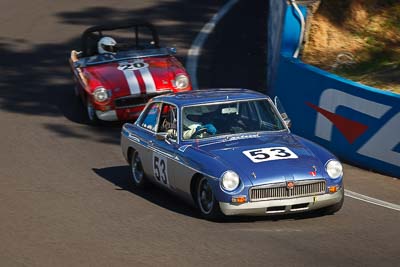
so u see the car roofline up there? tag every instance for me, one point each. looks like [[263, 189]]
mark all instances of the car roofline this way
[[216, 95]]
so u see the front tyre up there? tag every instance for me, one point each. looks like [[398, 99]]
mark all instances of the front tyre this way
[[136, 170], [206, 202], [91, 112], [76, 91]]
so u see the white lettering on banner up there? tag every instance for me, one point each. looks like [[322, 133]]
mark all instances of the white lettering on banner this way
[[380, 146], [331, 99]]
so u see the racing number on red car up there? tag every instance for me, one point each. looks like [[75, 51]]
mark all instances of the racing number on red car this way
[[269, 153], [133, 66], [160, 169]]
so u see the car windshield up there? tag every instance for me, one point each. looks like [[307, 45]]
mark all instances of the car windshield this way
[[124, 55], [204, 121]]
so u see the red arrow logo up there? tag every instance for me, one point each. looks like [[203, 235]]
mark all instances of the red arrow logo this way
[[350, 129]]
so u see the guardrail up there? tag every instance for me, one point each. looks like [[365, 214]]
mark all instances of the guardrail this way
[[360, 124]]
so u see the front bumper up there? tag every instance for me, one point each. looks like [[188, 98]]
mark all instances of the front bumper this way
[[282, 206], [120, 114], [109, 115]]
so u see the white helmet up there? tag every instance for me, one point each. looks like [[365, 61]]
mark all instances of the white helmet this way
[[106, 45]]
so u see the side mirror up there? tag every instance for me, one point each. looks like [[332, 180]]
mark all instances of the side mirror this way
[[160, 137], [164, 137], [282, 111], [171, 134], [172, 50]]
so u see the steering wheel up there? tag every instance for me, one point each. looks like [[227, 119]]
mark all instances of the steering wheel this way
[[199, 132]]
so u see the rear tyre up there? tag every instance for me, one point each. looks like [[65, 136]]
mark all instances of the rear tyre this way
[[136, 171], [206, 202]]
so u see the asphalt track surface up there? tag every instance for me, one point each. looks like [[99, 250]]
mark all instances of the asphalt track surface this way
[[65, 199]]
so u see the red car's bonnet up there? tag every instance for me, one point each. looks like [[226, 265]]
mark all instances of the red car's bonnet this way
[[135, 76]]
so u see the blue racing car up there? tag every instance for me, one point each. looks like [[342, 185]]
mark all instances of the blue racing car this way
[[230, 152]]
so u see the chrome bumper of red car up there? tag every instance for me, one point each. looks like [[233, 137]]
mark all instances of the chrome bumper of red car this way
[[282, 206], [110, 115]]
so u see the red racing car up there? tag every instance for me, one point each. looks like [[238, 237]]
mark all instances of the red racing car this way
[[122, 66]]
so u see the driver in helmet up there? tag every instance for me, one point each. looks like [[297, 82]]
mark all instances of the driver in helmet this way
[[107, 45], [193, 126]]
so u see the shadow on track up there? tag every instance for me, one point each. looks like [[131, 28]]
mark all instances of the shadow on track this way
[[119, 176], [37, 79]]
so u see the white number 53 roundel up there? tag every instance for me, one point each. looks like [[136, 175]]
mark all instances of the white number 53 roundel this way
[[269, 153]]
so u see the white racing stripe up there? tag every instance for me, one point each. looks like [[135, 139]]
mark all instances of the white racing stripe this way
[[148, 80], [131, 79], [371, 200], [195, 50]]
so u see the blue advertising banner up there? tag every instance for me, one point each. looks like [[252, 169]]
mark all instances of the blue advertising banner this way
[[358, 123]]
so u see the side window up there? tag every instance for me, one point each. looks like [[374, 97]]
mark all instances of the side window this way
[[168, 120], [151, 117]]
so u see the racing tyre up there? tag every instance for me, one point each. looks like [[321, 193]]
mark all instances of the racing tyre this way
[[76, 92], [137, 174], [206, 202], [91, 112]]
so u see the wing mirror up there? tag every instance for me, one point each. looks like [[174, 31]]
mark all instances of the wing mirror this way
[[172, 50], [163, 137], [166, 137], [282, 111], [160, 137]]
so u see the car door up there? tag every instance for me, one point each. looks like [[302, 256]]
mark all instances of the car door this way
[[164, 147], [159, 120], [148, 122]]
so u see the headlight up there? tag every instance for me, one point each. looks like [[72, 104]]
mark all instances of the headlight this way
[[334, 169], [181, 81], [100, 94], [230, 180]]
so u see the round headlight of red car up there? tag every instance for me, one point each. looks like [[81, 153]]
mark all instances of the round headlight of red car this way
[[181, 81], [100, 94]]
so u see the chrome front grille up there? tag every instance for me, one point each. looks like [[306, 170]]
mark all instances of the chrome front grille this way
[[130, 101], [136, 100], [281, 191]]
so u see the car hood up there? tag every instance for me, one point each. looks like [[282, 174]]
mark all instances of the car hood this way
[[134, 76], [268, 158]]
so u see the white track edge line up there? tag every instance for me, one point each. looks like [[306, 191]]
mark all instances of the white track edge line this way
[[195, 50], [371, 200]]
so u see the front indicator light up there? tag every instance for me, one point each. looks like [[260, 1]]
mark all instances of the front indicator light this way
[[333, 189], [239, 199]]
